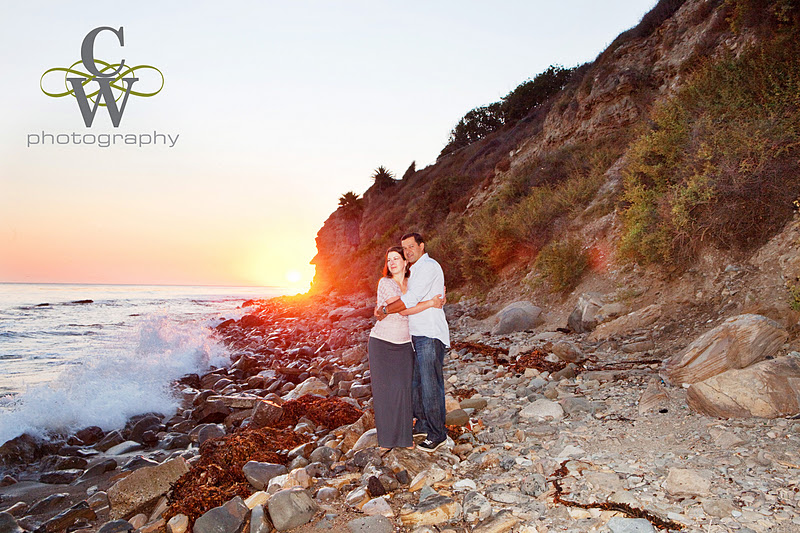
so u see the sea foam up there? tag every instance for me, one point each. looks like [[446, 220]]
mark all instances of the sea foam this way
[[110, 386]]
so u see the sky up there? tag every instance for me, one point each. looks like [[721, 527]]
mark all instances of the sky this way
[[278, 108]]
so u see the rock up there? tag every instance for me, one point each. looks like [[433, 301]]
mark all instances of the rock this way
[[625, 324], [144, 486], [476, 402], [291, 508], [360, 391], [139, 520], [60, 477], [499, 523], [24, 449], [476, 507], [18, 509], [568, 352], [259, 474], [98, 469], [118, 526], [312, 385], [8, 524], [687, 483], [582, 319], [375, 488], [211, 412], [98, 500], [210, 431], [227, 518], [257, 498], [370, 524], [369, 439], [719, 508], [327, 494], [66, 519], [325, 455], [654, 396], [49, 504], [352, 432], [737, 343], [534, 485], [427, 477], [357, 497], [110, 440], [156, 526], [124, 447], [90, 435], [259, 520], [459, 417], [768, 389], [265, 414], [377, 507], [434, 510], [175, 441], [517, 316], [147, 423], [7, 480], [178, 524], [619, 524], [542, 409]]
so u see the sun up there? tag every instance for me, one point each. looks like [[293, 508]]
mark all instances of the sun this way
[[293, 276]]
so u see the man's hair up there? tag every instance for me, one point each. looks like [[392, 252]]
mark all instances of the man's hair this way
[[417, 237]]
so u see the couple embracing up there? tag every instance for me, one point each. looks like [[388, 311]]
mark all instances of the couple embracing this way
[[407, 348]]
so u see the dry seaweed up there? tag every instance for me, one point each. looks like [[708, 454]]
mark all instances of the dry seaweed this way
[[624, 508], [217, 476], [463, 394], [329, 412], [498, 355], [536, 359]]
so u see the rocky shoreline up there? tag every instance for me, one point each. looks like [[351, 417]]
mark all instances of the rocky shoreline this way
[[550, 430]]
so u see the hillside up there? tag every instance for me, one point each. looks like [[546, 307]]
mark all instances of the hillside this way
[[669, 158]]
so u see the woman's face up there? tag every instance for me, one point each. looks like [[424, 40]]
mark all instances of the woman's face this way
[[395, 262]]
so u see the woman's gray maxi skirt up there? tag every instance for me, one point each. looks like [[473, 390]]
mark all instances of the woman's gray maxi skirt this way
[[391, 368]]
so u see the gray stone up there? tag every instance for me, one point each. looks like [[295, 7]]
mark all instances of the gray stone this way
[[575, 405], [583, 317], [458, 417], [227, 518], [534, 485], [568, 352], [687, 482], [78, 512], [370, 524], [259, 520], [125, 447], [259, 474], [106, 465], [49, 504], [116, 526], [325, 454], [499, 523], [266, 414], [360, 391], [619, 524], [327, 494], [312, 385], [210, 431], [517, 316], [475, 402], [60, 477], [144, 486], [110, 440], [542, 409], [434, 510], [290, 508], [476, 507], [8, 524]]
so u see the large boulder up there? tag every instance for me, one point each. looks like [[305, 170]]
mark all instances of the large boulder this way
[[584, 317], [737, 343], [144, 486], [768, 389], [517, 316], [626, 324], [227, 518], [291, 508]]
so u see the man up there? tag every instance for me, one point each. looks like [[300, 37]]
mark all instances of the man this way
[[430, 337]]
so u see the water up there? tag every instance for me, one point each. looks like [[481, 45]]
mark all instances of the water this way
[[72, 356]]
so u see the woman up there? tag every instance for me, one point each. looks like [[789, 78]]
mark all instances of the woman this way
[[391, 356]]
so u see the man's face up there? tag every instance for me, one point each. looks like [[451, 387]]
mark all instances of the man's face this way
[[412, 250]]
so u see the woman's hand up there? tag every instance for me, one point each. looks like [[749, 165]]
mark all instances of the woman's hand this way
[[438, 301]]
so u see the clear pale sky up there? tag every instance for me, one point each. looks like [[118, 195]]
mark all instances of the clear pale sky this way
[[280, 108]]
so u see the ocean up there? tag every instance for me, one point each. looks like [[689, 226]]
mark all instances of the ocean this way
[[74, 355]]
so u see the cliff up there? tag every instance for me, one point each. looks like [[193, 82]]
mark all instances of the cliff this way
[[661, 153]]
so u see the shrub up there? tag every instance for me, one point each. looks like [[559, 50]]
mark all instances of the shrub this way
[[719, 165], [563, 263]]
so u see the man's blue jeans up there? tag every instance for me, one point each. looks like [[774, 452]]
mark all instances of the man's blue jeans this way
[[428, 387]]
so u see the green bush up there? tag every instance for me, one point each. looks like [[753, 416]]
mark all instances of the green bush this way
[[563, 263], [719, 164]]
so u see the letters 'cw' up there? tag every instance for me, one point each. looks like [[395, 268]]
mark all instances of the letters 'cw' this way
[[108, 80]]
